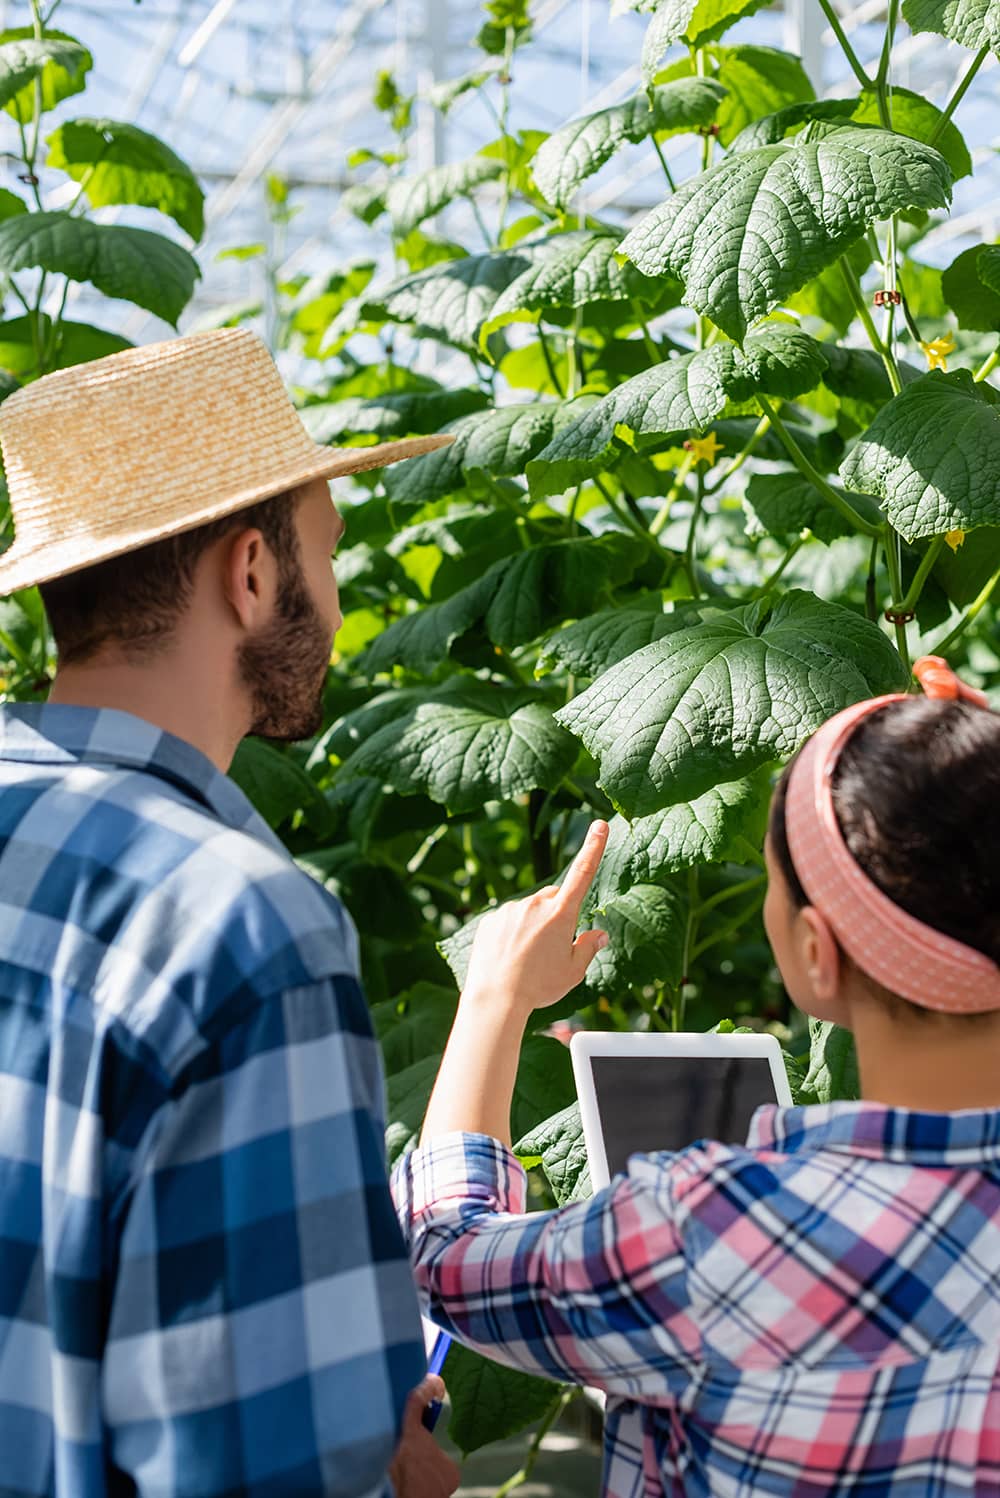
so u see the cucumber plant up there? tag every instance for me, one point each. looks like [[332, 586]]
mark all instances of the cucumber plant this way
[[716, 474]]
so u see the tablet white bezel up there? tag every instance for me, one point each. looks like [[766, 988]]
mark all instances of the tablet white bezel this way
[[586, 1044]]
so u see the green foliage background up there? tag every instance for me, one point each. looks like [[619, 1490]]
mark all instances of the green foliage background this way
[[694, 468]]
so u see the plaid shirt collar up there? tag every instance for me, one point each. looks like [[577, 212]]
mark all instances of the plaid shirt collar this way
[[60, 733], [877, 1132]]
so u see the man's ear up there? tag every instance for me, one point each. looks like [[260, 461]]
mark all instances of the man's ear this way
[[821, 957], [248, 576]]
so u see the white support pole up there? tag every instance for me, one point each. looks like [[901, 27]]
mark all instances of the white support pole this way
[[803, 35]]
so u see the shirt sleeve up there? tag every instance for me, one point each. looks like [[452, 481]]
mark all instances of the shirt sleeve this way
[[594, 1293], [264, 1331]]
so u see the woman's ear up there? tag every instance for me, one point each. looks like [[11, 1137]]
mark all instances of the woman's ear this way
[[821, 958]]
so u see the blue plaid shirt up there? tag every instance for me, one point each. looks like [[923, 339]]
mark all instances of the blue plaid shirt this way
[[203, 1287]]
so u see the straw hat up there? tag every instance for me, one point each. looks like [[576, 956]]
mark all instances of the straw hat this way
[[109, 456]]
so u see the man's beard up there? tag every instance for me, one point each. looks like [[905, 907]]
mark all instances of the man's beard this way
[[284, 666]]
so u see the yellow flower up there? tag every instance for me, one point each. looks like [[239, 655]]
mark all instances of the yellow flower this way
[[704, 449], [937, 351], [954, 539]]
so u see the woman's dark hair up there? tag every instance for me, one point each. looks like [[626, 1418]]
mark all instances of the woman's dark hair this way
[[135, 600], [917, 796]]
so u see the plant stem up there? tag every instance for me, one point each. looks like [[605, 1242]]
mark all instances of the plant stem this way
[[728, 927], [573, 379], [758, 432], [730, 892], [624, 515], [871, 601], [882, 76], [508, 58], [927, 561], [547, 356], [680, 477], [861, 308], [695, 909], [52, 347], [429, 842], [650, 1010], [542, 863], [836, 27], [664, 163], [959, 94], [650, 344], [807, 470], [977, 603], [769, 582], [689, 550], [987, 367], [891, 543]]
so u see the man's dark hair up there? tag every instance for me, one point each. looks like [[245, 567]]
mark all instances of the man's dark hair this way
[[135, 601], [916, 792]]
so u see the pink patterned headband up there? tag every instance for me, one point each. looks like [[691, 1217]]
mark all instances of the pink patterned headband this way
[[906, 956]]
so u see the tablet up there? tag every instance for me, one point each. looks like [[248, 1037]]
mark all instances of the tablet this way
[[642, 1093]]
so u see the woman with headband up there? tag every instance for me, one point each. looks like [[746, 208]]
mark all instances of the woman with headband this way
[[817, 1312]]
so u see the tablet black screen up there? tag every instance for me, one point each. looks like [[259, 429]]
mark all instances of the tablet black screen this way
[[651, 1103]]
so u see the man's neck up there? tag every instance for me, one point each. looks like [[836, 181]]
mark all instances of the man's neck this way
[[179, 702]]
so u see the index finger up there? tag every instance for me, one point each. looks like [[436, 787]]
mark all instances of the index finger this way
[[584, 866]]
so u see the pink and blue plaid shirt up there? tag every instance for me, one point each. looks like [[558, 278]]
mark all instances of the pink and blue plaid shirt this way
[[814, 1314]]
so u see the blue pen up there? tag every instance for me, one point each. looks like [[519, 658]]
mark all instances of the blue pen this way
[[432, 1410]]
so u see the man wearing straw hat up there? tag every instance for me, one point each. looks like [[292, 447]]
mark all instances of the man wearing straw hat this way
[[203, 1288]]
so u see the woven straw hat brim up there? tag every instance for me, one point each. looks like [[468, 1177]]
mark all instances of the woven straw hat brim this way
[[25, 566]]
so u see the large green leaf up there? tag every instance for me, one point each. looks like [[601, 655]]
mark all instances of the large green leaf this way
[[988, 266], [964, 573], [583, 268], [322, 318], [973, 301], [119, 163], [919, 119], [277, 785], [745, 235], [833, 1065], [515, 600], [472, 744], [57, 60], [410, 413], [602, 639], [73, 343], [694, 21], [788, 120], [679, 395], [757, 80], [933, 456], [729, 694], [490, 1402], [581, 148], [450, 300], [912, 115], [498, 442], [971, 23], [413, 199], [647, 927], [415, 1025], [132, 264], [407, 1095], [785, 504], [651, 849], [559, 1147]]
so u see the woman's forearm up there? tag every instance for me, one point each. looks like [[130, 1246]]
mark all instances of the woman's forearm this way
[[475, 1085]]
